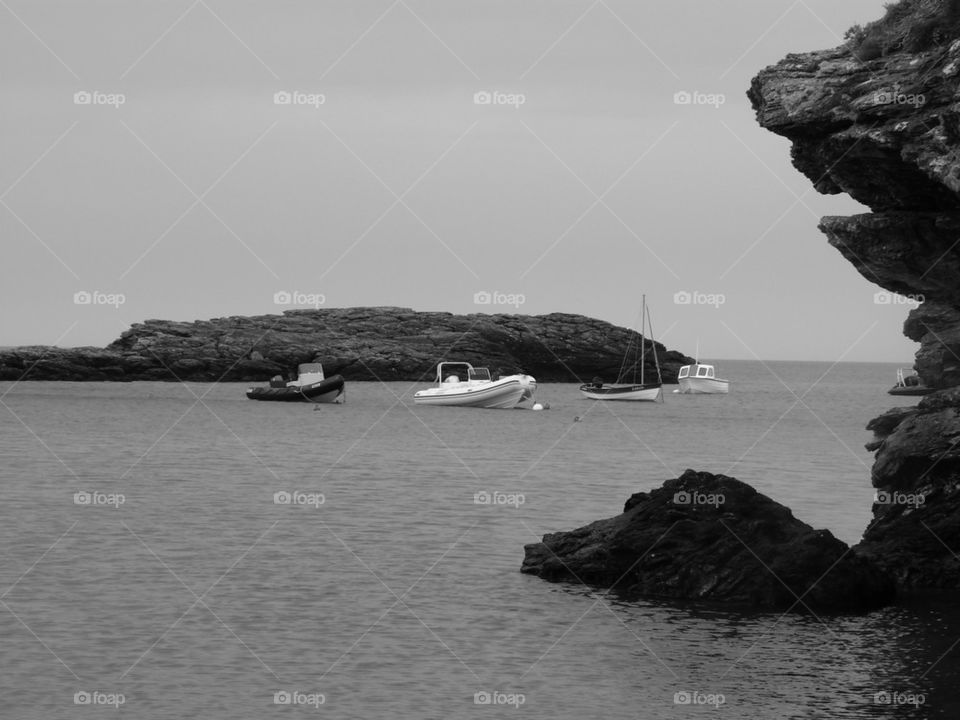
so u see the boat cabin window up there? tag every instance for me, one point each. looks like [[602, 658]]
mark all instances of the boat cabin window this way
[[684, 371], [479, 374], [705, 371]]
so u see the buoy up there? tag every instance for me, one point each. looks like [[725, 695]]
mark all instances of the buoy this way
[[540, 406], [576, 418]]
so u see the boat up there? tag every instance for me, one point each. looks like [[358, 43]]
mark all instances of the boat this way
[[459, 384], [701, 379], [310, 386], [621, 390], [909, 385]]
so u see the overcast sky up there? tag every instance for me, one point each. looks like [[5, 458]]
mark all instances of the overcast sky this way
[[430, 150]]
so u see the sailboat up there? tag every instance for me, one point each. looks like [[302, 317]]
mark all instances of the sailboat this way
[[621, 390]]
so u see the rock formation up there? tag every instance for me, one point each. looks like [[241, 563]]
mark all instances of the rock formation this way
[[371, 343], [879, 118], [712, 537]]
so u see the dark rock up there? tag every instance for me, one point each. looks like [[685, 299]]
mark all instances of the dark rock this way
[[376, 343], [887, 132], [728, 544]]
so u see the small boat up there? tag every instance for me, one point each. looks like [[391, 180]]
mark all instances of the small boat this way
[[621, 390], [310, 386], [701, 379], [476, 388], [909, 385]]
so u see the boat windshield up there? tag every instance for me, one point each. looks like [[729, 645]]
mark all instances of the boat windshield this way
[[479, 374], [705, 371]]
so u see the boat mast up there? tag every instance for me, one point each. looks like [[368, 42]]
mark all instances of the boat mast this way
[[643, 337], [656, 359]]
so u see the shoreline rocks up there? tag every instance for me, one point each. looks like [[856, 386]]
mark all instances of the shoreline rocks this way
[[713, 538], [877, 119], [370, 343]]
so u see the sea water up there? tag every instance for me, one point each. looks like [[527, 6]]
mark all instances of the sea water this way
[[175, 550]]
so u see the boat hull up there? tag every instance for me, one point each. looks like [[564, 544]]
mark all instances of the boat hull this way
[[329, 390], [703, 386], [910, 390], [649, 393], [499, 394]]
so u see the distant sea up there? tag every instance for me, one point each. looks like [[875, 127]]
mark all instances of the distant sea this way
[[149, 571]]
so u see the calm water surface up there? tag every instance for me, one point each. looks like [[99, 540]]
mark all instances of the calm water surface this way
[[398, 596]]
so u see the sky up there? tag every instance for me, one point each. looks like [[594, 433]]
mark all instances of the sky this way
[[195, 159]]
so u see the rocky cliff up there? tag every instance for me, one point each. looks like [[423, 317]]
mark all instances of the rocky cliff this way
[[879, 118], [373, 343]]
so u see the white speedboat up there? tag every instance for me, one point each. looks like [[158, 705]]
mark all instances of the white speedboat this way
[[461, 384], [701, 379]]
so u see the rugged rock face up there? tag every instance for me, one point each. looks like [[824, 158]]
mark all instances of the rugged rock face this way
[[359, 343], [712, 537], [879, 119]]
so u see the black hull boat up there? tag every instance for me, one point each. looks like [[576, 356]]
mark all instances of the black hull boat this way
[[329, 390], [310, 386], [909, 385]]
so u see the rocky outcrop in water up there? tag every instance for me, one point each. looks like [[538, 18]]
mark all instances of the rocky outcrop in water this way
[[878, 118], [712, 537], [375, 343]]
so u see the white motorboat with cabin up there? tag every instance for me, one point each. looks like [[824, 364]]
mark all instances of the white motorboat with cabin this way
[[701, 379], [462, 385]]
